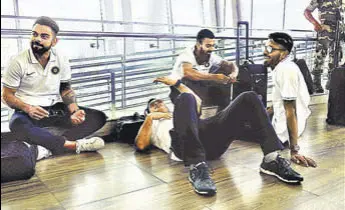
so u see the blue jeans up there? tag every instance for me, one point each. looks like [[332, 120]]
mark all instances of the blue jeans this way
[[34, 132]]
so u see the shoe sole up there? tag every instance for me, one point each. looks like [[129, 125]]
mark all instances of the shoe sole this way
[[276, 175], [206, 193]]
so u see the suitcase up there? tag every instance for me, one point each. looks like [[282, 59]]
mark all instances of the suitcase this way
[[18, 160], [251, 77], [302, 65], [336, 98]]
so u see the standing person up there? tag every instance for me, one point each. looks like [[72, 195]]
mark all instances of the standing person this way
[[290, 96], [37, 84], [330, 16], [191, 139], [204, 72]]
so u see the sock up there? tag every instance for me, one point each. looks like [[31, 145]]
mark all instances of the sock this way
[[270, 156], [191, 166]]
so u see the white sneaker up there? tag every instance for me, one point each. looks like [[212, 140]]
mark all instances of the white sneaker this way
[[43, 153], [91, 144]]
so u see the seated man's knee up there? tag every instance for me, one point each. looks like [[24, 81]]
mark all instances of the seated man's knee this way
[[102, 118], [186, 96], [249, 95], [96, 117]]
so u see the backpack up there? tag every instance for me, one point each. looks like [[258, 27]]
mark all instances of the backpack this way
[[18, 160]]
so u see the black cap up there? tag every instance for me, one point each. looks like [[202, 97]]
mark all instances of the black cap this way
[[47, 21], [283, 39]]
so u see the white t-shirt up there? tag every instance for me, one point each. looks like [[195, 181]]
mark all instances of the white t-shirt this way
[[187, 56], [160, 136], [35, 85], [289, 84]]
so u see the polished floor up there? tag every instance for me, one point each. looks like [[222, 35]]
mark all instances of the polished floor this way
[[117, 178]]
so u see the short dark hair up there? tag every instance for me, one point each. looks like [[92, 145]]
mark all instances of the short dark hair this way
[[47, 21], [283, 39], [204, 33]]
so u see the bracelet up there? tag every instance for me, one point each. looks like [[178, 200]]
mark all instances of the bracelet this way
[[75, 111], [177, 84]]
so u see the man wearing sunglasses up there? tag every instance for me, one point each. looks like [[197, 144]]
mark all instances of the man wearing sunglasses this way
[[290, 95], [186, 137], [37, 84], [204, 72]]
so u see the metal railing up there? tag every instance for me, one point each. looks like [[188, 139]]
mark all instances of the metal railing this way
[[115, 82]]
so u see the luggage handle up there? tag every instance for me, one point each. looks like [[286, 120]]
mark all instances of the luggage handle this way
[[246, 24]]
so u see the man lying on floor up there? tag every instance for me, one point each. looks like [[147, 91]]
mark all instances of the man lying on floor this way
[[196, 140]]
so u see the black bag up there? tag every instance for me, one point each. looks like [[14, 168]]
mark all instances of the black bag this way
[[251, 77], [302, 65], [18, 160], [336, 98], [125, 129]]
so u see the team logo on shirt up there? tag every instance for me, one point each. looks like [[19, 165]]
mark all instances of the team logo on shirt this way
[[55, 70]]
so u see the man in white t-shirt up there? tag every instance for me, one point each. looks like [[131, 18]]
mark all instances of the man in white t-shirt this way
[[186, 137], [37, 84], [290, 95], [204, 72]]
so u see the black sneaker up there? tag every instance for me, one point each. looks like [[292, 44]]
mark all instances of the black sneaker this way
[[280, 168], [200, 178]]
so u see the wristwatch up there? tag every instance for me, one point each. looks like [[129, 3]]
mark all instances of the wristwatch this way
[[294, 148], [177, 84]]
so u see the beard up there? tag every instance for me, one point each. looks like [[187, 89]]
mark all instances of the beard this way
[[204, 56], [271, 61], [39, 49]]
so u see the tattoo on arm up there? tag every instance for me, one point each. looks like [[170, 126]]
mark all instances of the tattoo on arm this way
[[67, 94]]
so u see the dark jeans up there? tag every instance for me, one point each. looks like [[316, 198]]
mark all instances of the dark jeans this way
[[33, 132], [196, 140], [211, 93]]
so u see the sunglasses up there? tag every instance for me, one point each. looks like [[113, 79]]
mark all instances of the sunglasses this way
[[270, 49], [56, 113]]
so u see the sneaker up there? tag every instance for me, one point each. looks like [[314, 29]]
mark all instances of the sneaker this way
[[91, 144], [39, 151], [280, 168], [43, 153], [200, 179]]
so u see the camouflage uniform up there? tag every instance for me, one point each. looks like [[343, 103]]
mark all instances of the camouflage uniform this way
[[329, 15]]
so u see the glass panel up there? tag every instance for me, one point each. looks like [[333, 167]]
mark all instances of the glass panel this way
[[265, 10], [246, 9], [9, 48], [7, 7], [190, 13], [151, 11], [61, 9], [229, 20], [294, 18]]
